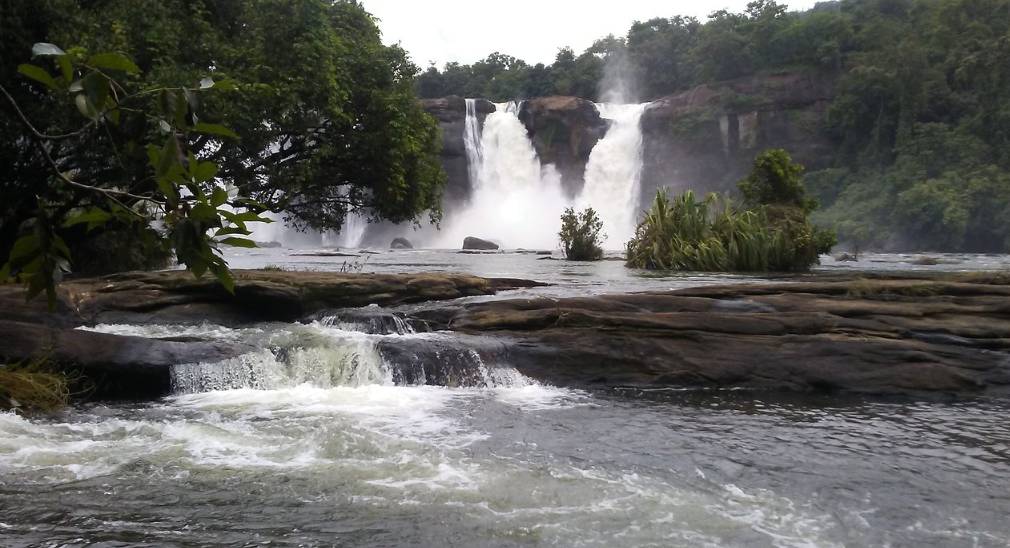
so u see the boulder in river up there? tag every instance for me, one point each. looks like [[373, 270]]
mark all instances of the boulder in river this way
[[472, 242], [401, 243]]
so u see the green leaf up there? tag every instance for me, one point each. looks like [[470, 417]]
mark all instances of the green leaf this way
[[220, 195], [94, 216], [228, 230], [26, 246], [239, 242], [214, 129], [225, 85], [205, 171], [96, 86], [204, 212], [224, 276], [85, 106], [59, 245], [46, 49], [245, 217], [38, 74], [206, 83], [66, 67], [113, 61], [169, 156]]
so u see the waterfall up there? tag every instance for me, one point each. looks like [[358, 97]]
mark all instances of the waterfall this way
[[471, 141], [515, 200], [613, 173], [332, 352]]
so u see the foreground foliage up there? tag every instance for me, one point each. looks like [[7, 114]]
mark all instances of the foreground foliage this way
[[178, 205], [325, 125], [770, 232], [580, 235]]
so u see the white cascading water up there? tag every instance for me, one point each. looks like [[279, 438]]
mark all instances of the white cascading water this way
[[471, 140], [515, 200], [613, 173]]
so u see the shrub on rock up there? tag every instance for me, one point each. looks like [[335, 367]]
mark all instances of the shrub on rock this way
[[580, 235]]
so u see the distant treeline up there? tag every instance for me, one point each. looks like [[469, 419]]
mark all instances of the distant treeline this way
[[920, 116]]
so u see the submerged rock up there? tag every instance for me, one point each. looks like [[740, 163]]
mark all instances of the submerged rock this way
[[471, 242]]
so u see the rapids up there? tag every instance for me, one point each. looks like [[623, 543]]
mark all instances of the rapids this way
[[320, 436]]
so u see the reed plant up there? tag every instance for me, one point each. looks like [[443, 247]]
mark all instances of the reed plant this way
[[33, 386], [713, 235]]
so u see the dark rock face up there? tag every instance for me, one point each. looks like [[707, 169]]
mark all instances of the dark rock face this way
[[401, 243], [471, 242], [883, 337], [564, 131], [118, 367], [451, 115], [706, 138]]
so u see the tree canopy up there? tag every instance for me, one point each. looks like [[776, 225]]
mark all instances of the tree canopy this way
[[324, 116]]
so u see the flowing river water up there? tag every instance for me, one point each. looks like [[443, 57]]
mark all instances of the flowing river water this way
[[317, 438]]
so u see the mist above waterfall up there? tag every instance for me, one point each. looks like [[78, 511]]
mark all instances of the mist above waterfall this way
[[619, 82]]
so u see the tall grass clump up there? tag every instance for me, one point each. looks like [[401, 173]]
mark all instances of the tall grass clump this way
[[32, 386], [769, 231]]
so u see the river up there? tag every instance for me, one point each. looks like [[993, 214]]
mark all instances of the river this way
[[312, 442]]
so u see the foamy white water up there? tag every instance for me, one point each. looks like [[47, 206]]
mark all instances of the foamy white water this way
[[613, 174], [515, 200]]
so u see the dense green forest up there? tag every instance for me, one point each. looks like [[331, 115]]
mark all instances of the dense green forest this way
[[134, 130], [920, 117]]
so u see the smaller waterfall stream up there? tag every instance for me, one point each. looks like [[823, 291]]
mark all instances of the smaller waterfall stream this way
[[613, 173]]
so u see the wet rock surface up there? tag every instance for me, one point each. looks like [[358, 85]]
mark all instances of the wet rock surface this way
[[136, 367], [869, 336], [473, 243]]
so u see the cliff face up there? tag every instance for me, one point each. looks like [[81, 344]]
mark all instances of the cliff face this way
[[703, 139], [451, 115], [706, 138], [564, 131]]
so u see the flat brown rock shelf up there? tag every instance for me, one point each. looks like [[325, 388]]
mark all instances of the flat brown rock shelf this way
[[938, 334], [260, 295]]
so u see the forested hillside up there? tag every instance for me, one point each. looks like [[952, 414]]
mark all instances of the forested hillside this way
[[919, 117]]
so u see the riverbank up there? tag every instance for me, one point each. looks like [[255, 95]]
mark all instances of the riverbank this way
[[866, 334]]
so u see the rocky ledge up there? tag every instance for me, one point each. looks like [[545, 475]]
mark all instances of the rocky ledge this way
[[136, 367], [870, 336]]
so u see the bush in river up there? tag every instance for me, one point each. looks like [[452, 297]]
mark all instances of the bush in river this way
[[580, 235], [770, 232]]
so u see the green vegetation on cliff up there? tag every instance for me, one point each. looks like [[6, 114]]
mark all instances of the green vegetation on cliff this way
[[919, 115], [769, 232]]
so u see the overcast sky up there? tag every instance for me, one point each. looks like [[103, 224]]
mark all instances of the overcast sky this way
[[533, 30]]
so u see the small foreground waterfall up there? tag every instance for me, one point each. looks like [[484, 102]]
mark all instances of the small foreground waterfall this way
[[515, 200], [613, 173]]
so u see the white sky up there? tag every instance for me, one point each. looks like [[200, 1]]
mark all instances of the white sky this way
[[532, 30]]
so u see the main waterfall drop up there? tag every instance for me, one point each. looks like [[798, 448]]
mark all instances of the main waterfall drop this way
[[517, 201], [514, 199], [613, 173]]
